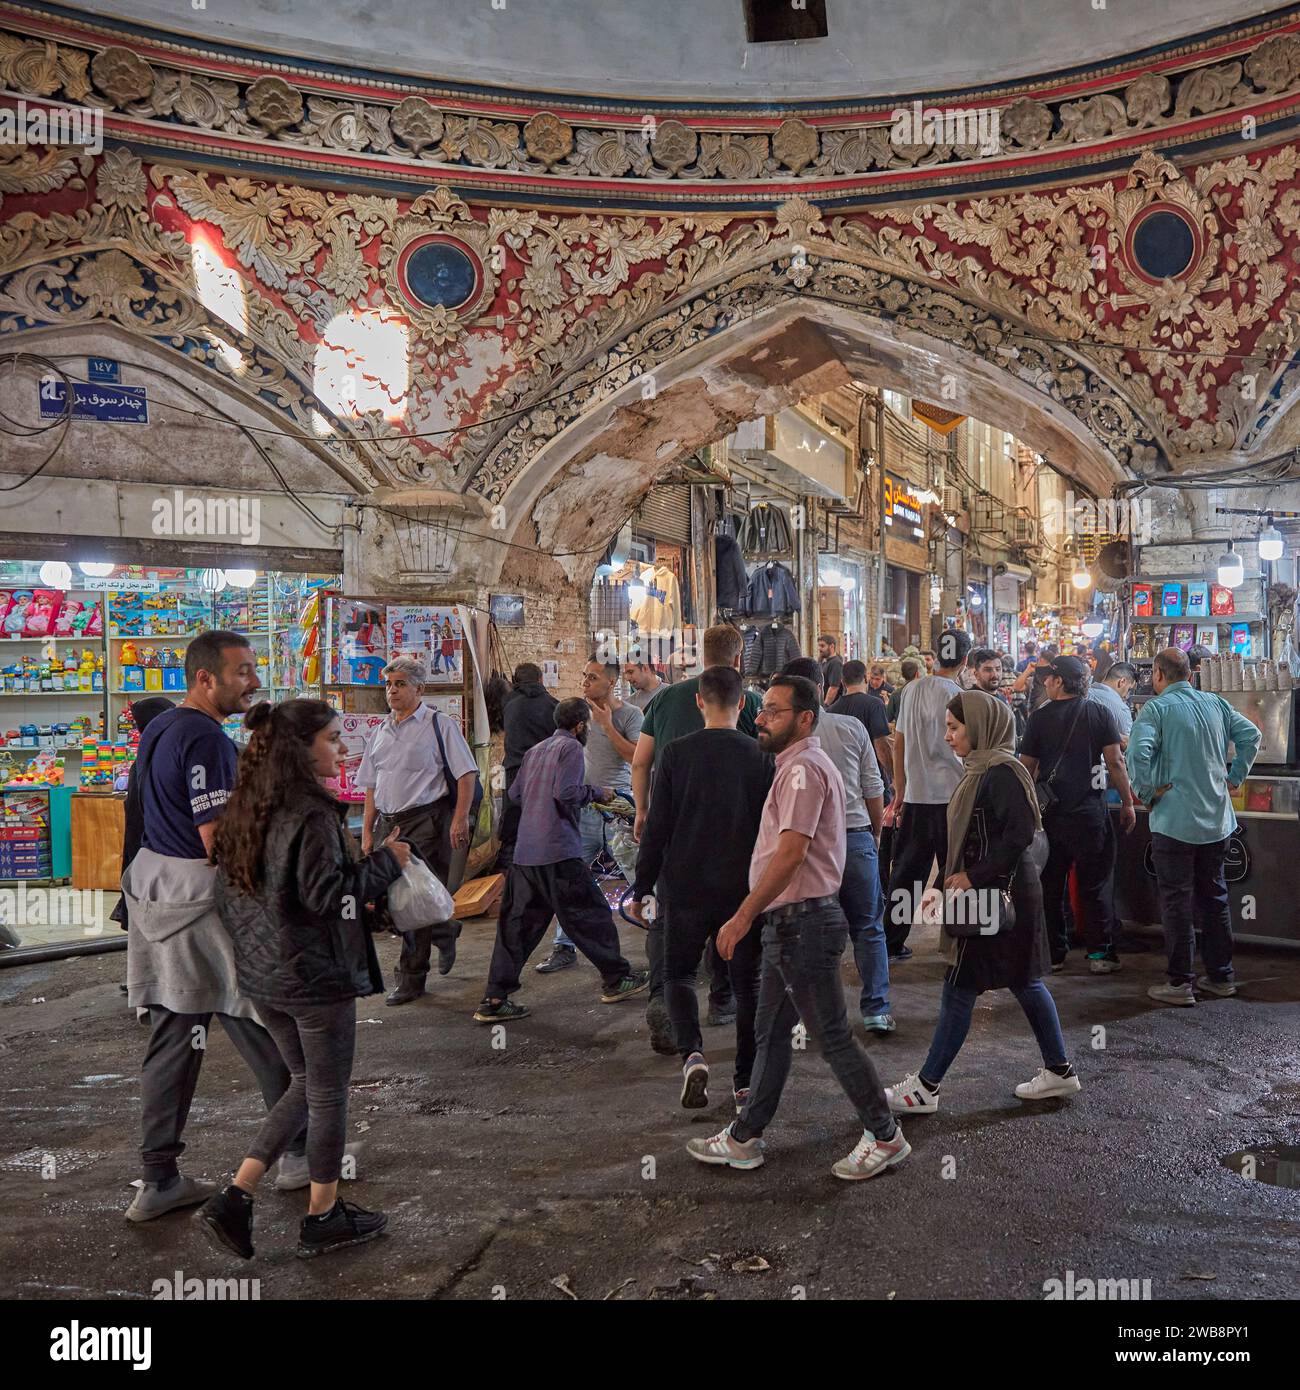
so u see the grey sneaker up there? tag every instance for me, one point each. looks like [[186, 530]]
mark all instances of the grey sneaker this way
[[1179, 995], [292, 1173], [695, 1082], [871, 1156], [1225, 989], [152, 1201], [1103, 965], [721, 1148], [561, 958], [879, 1023]]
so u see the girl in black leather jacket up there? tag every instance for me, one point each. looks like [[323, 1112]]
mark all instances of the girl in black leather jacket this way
[[293, 894]]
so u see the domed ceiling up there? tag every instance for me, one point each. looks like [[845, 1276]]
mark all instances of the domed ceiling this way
[[695, 49]]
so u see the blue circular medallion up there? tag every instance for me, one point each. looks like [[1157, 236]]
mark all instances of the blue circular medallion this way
[[440, 275], [1163, 245]]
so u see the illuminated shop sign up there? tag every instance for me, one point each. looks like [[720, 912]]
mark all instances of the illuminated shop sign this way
[[902, 508]]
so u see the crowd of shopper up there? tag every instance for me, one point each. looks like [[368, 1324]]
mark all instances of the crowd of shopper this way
[[754, 834]]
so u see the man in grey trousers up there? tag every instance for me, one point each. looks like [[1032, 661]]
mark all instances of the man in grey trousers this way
[[180, 962]]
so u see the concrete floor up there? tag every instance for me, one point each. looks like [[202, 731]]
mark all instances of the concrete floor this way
[[557, 1163]]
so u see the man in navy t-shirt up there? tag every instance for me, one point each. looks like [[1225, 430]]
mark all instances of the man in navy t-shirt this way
[[180, 964]]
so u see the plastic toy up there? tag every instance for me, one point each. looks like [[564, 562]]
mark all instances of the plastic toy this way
[[130, 656]]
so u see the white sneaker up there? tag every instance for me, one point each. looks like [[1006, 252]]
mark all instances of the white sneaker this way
[[1104, 966], [1179, 995], [1225, 989], [911, 1097], [1047, 1084], [872, 1156], [722, 1148], [741, 1098]]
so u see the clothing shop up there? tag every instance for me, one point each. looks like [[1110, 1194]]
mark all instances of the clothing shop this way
[[643, 597]]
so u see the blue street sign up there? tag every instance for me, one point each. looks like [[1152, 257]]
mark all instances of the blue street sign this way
[[122, 405], [103, 369]]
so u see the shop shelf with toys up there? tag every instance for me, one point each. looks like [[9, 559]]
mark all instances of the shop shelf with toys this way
[[35, 834]]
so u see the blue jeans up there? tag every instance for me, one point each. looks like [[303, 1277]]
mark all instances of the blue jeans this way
[[955, 1009], [591, 826], [864, 906], [800, 980]]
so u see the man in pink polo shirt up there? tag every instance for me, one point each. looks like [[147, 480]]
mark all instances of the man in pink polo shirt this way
[[794, 884]]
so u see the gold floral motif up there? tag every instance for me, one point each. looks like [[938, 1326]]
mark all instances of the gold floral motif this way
[[274, 104], [673, 145], [548, 138], [416, 123], [121, 75]]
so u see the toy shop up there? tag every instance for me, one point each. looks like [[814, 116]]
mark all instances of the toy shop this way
[[82, 643]]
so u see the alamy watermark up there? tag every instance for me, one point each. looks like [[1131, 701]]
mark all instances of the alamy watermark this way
[[1076, 1289], [979, 127], [24, 124], [1111, 516], [24, 906], [233, 517]]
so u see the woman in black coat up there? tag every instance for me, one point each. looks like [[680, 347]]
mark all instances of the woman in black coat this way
[[293, 895], [995, 843]]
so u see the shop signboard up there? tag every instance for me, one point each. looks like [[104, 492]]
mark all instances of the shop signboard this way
[[118, 405], [119, 583], [903, 509], [429, 635]]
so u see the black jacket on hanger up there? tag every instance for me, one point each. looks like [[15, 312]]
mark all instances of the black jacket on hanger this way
[[776, 647], [766, 531], [732, 581], [772, 590]]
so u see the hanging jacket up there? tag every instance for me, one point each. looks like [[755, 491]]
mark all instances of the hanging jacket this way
[[772, 590], [766, 531], [749, 662], [776, 648], [732, 581]]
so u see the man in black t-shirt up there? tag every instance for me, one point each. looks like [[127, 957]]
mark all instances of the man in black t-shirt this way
[[869, 709], [1070, 743], [696, 847], [832, 668], [180, 962]]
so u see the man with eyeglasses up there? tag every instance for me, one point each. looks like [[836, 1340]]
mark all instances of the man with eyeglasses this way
[[793, 898], [611, 742]]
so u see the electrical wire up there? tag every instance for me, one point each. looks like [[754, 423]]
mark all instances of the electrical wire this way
[[64, 420]]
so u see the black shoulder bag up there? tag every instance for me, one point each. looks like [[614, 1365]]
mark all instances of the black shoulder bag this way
[[450, 782], [1047, 797]]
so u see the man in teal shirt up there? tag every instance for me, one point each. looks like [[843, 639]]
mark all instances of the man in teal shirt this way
[[1177, 755]]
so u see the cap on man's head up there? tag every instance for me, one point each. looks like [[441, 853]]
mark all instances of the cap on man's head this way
[[1071, 667]]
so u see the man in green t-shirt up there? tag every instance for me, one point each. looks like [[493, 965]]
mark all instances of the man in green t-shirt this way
[[672, 714]]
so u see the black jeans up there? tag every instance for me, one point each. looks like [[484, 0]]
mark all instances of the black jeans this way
[[1193, 893], [318, 1042], [427, 829], [922, 838], [801, 980], [536, 892], [687, 937], [171, 1072], [1085, 840], [721, 996]]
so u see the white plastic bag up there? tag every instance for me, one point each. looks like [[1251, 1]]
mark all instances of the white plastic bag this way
[[417, 899]]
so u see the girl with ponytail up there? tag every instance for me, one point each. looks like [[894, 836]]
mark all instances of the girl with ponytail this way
[[293, 891]]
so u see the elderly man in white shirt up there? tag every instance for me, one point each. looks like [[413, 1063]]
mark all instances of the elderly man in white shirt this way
[[418, 774]]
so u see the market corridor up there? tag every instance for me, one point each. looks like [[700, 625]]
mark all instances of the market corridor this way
[[526, 1172]]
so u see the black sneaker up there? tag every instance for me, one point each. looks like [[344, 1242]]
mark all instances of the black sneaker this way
[[561, 958], [635, 983], [447, 953], [346, 1225], [226, 1218], [504, 1012], [661, 1029], [903, 953]]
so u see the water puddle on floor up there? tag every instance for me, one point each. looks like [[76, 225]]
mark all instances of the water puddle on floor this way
[[1278, 1164]]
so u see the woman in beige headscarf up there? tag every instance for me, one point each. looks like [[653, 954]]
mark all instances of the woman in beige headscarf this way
[[994, 841]]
